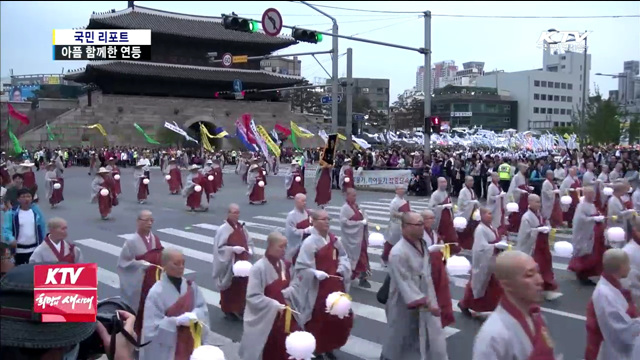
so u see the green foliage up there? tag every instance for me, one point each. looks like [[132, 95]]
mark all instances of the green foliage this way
[[634, 129], [305, 100], [602, 121], [561, 130]]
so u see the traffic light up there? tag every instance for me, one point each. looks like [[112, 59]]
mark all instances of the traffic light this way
[[435, 125], [309, 36], [231, 22]]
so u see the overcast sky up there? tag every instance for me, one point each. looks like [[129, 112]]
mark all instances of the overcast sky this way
[[507, 44]]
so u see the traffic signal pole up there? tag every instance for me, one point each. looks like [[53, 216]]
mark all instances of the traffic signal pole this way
[[349, 90], [427, 82]]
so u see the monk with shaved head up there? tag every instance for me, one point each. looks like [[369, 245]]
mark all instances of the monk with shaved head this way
[[355, 234], [571, 186], [518, 192], [442, 206], [467, 205]]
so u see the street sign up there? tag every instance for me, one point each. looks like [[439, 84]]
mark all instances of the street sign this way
[[237, 85], [327, 99], [227, 60], [238, 95], [358, 117], [240, 59], [272, 22]]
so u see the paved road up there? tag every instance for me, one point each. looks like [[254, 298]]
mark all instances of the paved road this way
[[101, 241]]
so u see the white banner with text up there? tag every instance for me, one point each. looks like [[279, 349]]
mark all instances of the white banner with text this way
[[381, 179]]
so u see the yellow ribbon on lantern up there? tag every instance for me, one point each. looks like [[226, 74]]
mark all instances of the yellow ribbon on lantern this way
[[287, 320], [446, 252], [196, 332], [552, 235], [455, 208], [614, 217], [335, 302]]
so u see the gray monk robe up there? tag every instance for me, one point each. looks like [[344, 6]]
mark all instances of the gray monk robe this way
[[168, 340], [550, 208], [136, 278], [536, 244], [467, 204], [588, 242], [496, 204], [397, 207], [617, 207], [265, 329], [442, 207], [355, 237], [308, 295], [233, 289], [48, 251], [297, 223], [414, 333], [507, 335]]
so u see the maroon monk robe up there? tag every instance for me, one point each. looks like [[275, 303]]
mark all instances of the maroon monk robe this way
[[116, 171], [301, 225], [540, 339], [362, 266], [4, 174], [152, 273], [296, 186], [56, 194], [323, 187], [446, 231], [348, 185], [590, 265], [105, 203], [143, 189], [440, 280], [575, 200], [465, 238], [209, 185], [30, 181], [194, 200], [594, 336], [274, 348], [69, 258], [386, 250], [542, 256], [257, 192], [556, 218], [523, 205], [233, 299], [492, 294], [184, 339], [330, 331], [217, 178], [175, 183], [263, 172]]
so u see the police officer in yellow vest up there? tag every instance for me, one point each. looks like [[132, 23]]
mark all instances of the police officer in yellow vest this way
[[504, 171]]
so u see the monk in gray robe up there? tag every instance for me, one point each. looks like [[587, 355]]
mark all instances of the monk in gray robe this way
[[588, 239], [175, 182], [355, 237], [413, 314], [293, 181], [571, 186], [54, 248], [618, 211], [54, 195], [232, 243], [442, 206], [632, 282], [103, 180], [139, 174], [613, 321], [397, 206], [496, 203], [533, 240], [483, 292], [322, 267], [467, 205], [297, 227], [604, 180], [551, 209], [267, 320], [516, 330], [173, 311], [114, 171], [139, 265], [518, 193], [346, 172]]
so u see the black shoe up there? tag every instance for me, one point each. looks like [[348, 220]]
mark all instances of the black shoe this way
[[465, 311], [364, 283], [329, 355], [587, 282]]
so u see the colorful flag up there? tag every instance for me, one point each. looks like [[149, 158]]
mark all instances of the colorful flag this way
[[17, 115], [283, 130]]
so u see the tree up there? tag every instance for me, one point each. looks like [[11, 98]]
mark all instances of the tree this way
[[634, 129], [360, 105], [602, 121], [561, 130], [305, 100]]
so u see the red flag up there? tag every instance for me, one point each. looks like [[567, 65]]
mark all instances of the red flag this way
[[246, 120], [283, 130], [18, 116]]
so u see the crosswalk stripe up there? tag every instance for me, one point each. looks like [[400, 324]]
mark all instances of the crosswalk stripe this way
[[108, 248], [377, 205], [370, 217], [368, 211]]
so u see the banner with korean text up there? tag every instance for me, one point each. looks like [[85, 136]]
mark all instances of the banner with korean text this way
[[66, 292], [381, 179]]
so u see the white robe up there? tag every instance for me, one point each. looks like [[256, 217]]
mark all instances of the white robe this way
[[548, 198], [527, 235], [413, 334], [495, 203], [224, 257], [49, 177], [466, 206], [294, 235], [43, 253], [582, 236], [131, 271], [632, 282], [353, 234], [514, 187], [483, 259], [436, 199], [619, 331]]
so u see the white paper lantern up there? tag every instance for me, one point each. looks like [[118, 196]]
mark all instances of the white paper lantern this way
[[300, 345], [607, 191], [145, 181], [338, 304], [210, 178], [581, 199], [207, 352], [116, 177], [298, 179], [476, 215], [616, 235], [563, 249], [566, 200], [241, 268], [376, 239], [167, 177], [197, 188], [261, 183], [104, 192], [458, 265], [513, 207], [459, 223], [57, 186], [347, 180]]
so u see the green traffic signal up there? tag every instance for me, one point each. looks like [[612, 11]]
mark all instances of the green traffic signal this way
[[319, 37], [253, 26]]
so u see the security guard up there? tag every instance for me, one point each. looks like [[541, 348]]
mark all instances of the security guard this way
[[504, 171]]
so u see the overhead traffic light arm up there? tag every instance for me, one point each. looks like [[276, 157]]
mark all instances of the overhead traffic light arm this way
[[310, 36], [232, 22]]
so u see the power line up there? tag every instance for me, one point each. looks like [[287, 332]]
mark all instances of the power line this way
[[479, 16], [385, 26], [364, 20]]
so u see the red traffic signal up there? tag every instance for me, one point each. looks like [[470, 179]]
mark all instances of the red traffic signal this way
[[435, 121]]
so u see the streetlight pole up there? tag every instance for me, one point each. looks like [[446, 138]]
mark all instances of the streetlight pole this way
[[334, 68], [584, 90], [623, 76], [427, 82]]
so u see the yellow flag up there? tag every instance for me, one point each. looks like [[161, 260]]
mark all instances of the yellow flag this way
[[299, 133], [99, 127], [342, 137], [267, 139]]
